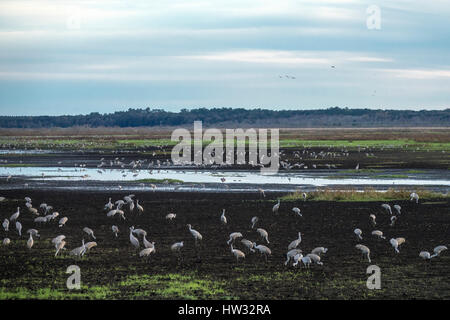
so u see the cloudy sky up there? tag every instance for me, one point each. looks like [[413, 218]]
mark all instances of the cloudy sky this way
[[72, 57]]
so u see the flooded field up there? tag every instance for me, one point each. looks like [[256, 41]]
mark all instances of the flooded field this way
[[326, 195], [173, 179]]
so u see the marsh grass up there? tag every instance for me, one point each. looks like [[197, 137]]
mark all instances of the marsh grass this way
[[188, 286], [368, 194]]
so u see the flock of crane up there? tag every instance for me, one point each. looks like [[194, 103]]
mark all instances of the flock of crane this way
[[395, 242], [294, 254]]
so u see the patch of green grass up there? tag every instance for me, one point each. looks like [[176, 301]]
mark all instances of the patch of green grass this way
[[392, 176], [366, 195], [362, 171], [95, 292], [354, 144], [176, 286], [17, 165]]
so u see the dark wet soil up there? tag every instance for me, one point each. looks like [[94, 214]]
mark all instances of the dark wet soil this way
[[376, 158]]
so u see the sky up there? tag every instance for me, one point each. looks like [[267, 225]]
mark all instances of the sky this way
[[77, 57]]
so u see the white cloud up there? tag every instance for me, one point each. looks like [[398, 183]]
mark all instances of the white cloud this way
[[369, 59], [418, 73], [263, 56]]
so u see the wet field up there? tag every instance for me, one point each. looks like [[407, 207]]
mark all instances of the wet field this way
[[113, 269], [77, 184]]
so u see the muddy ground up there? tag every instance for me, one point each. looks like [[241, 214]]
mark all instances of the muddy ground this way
[[113, 269], [374, 158]]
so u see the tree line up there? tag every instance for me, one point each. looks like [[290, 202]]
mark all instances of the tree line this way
[[331, 117]]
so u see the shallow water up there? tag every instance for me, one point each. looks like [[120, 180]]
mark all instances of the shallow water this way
[[25, 151], [318, 178]]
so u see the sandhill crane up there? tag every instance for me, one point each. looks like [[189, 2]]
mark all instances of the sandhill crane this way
[[171, 216], [15, 215], [89, 246], [58, 239], [6, 241], [248, 244], [19, 228], [234, 236], [262, 249], [398, 208], [139, 207], [40, 220], [414, 196], [425, 255], [372, 218], [306, 260], [294, 244], [111, 213], [134, 241], [387, 207], [146, 252], [237, 253], [364, 250], [140, 232], [291, 254], [223, 219], [304, 195], [28, 199], [263, 233], [115, 230], [176, 247], [128, 198], [59, 246], [5, 225], [30, 241], [254, 221], [315, 258], [261, 191], [79, 251], [393, 220], [438, 250], [297, 258], [358, 233], [395, 243], [33, 211], [89, 231], [319, 250], [62, 221], [131, 206], [119, 203], [276, 207], [378, 234], [109, 205], [297, 211], [147, 243], [34, 232], [197, 236], [121, 213]]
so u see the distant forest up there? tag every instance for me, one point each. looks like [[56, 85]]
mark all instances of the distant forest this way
[[233, 117]]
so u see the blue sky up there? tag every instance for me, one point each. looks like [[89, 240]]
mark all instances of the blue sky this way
[[72, 57]]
